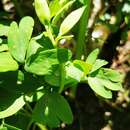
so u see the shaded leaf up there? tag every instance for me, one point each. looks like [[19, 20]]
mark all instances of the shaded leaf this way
[[48, 113]]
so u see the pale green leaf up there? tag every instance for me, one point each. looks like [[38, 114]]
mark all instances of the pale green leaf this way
[[74, 72], [14, 108], [113, 75], [63, 8], [42, 11], [110, 85], [3, 47], [7, 63], [92, 56], [4, 30], [85, 67], [71, 20], [18, 38], [99, 88], [98, 64]]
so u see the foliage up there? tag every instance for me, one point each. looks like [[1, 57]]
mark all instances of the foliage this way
[[35, 70]]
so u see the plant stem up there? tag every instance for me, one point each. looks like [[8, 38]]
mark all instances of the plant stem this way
[[82, 30], [62, 77]]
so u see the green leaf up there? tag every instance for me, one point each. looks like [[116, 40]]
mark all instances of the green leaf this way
[[110, 85], [98, 64], [4, 30], [18, 38], [54, 6], [51, 109], [74, 72], [85, 67], [92, 56], [14, 108], [113, 75], [41, 62], [71, 20], [42, 11], [7, 63], [3, 47], [99, 88], [54, 78], [3, 128], [64, 6], [64, 55], [32, 48]]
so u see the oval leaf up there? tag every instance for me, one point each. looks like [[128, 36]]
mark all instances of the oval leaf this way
[[98, 88], [71, 20], [18, 38], [42, 11], [47, 112], [41, 62]]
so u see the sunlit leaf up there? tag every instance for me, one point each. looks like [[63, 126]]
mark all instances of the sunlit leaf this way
[[14, 108], [18, 38], [7, 63], [71, 20], [99, 88]]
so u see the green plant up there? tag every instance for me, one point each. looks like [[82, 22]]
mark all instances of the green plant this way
[[35, 70]]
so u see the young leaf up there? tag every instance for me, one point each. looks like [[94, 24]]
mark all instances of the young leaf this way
[[99, 88], [92, 56], [42, 11], [74, 72], [7, 63], [14, 108], [65, 7], [18, 38], [71, 20], [85, 67], [41, 62], [47, 112], [98, 64], [54, 7]]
